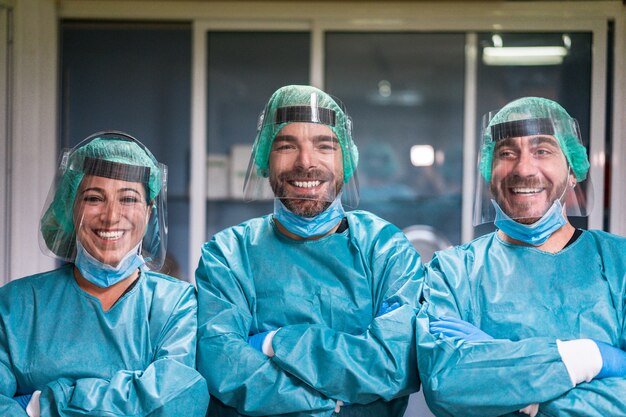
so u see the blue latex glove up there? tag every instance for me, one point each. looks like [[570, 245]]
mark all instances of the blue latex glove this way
[[23, 400], [256, 340], [613, 361], [385, 308], [453, 327]]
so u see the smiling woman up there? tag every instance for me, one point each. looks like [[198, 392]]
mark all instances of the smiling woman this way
[[129, 345], [112, 179], [112, 217]]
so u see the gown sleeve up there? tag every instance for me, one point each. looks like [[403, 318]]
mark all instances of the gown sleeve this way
[[237, 374], [8, 384], [169, 386], [460, 378], [598, 398], [377, 364]]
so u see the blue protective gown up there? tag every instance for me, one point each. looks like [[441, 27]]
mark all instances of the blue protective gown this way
[[324, 295], [531, 298], [136, 359]]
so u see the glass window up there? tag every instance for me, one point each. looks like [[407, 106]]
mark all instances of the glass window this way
[[564, 76], [405, 94], [135, 78], [244, 69]]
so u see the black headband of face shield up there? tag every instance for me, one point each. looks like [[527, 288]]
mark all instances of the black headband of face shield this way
[[305, 114], [518, 128], [117, 171]]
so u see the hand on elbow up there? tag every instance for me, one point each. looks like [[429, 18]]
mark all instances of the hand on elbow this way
[[453, 327]]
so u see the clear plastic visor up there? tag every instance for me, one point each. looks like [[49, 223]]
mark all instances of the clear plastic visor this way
[[300, 157], [528, 172], [107, 207]]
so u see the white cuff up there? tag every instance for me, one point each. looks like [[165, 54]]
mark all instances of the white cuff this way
[[32, 409], [581, 358], [267, 348]]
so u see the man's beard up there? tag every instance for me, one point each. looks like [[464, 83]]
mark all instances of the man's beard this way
[[524, 213], [306, 206]]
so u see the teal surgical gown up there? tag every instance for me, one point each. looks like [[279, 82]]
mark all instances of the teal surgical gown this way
[[323, 295], [526, 299], [136, 359]]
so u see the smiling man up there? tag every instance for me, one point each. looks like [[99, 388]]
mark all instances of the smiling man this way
[[306, 187], [530, 318], [518, 186], [309, 311]]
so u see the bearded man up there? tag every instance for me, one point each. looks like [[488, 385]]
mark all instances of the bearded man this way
[[309, 311], [532, 317]]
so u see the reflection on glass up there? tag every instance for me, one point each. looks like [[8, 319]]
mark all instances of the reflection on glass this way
[[244, 69], [404, 90], [566, 78]]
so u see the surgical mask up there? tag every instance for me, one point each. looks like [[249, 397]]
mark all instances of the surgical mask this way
[[309, 226], [534, 234], [104, 275]]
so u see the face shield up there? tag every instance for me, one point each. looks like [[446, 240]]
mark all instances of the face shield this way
[[303, 153], [531, 157], [110, 195]]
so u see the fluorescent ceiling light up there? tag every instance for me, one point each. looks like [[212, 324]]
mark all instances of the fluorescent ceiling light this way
[[422, 155], [524, 55]]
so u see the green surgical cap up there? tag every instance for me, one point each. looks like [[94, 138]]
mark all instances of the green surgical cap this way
[[565, 130], [57, 224], [300, 95]]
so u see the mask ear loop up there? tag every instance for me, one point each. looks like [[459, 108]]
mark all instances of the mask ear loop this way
[[574, 182], [568, 184], [150, 209]]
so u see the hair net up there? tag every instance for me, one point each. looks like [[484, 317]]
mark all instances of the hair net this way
[[121, 150], [564, 128]]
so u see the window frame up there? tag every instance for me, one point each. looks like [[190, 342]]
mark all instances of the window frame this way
[[320, 26]]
